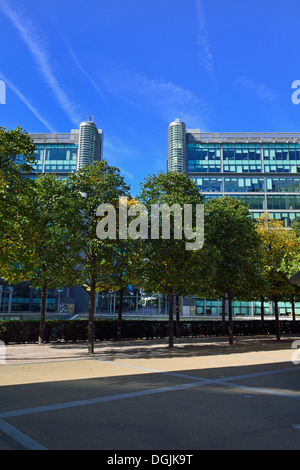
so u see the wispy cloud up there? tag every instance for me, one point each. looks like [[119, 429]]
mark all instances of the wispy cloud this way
[[116, 152], [203, 45], [161, 97], [26, 102], [85, 73], [261, 90], [37, 47]]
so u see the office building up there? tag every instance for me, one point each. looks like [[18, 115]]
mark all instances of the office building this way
[[64, 153], [260, 169]]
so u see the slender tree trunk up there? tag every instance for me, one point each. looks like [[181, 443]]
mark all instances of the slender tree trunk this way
[[223, 316], [43, 314], [119, 332], [178, 329], [171, 319], [91, 326], [277, 319], [230, 331], [262, 313], [293, 312]]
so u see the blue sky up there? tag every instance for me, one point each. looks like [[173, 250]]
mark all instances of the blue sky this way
[[221, 66]]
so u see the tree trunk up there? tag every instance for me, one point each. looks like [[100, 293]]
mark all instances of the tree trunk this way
[[223, 316], [277, 319], [119, 332], [293, 313], [171, 319], [262, 313], [43, 314], [178, 329], [230, 331], [91, 326]]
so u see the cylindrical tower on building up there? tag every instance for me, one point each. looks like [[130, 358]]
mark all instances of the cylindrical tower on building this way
[[176, 146], [89, 148]]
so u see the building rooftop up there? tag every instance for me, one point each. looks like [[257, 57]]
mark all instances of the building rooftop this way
[[244, 137]]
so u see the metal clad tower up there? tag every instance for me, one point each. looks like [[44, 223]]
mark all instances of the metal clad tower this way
[[176, 146], [90, 144]]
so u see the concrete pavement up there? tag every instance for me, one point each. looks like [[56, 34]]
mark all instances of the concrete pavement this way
[[203, 394]]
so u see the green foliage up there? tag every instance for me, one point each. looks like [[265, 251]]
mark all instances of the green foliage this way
[[280, 255], [237, 269], [166, 266], [167, 262], [16, 152], [230, 230], [96, 262], [16, 157]]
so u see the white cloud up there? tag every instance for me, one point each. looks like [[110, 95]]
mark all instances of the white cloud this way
[[204, 51], [163, 98], [37, 48], [261, 90], [85, 73], [26, 102]]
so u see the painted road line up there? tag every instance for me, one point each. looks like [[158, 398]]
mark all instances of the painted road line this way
[[156, 371], [19, 437], [198, 382], [257, 374], [264, 391], [94, 401]]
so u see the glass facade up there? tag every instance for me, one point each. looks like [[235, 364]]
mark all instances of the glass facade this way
[[58, 158], [211, 308], [244, 185], [65, 153], [209, 184], [281, 158], [242, 158], [204, 158], [283, 185], [263, 171]]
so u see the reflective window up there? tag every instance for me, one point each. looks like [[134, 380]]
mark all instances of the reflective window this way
[[242, 158], [204, 158], [281, 158], [209, 184], [291, 185], [58, 157], [287, 201], [244, 185], [252, 201]]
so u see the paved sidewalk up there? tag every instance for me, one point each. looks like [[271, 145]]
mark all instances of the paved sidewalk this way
[[203, 394]]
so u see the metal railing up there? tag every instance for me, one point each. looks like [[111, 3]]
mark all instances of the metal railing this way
[[246, 137]]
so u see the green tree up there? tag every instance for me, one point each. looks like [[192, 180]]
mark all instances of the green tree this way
[[94, 259], [164, 261], [40, 254], [17, 154], [280, 249], [123, 271], [230, 230]]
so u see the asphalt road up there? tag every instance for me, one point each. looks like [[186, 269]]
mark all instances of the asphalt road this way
[[140, 396]]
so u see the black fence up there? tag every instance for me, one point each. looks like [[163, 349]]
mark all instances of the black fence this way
[[21, 332]]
